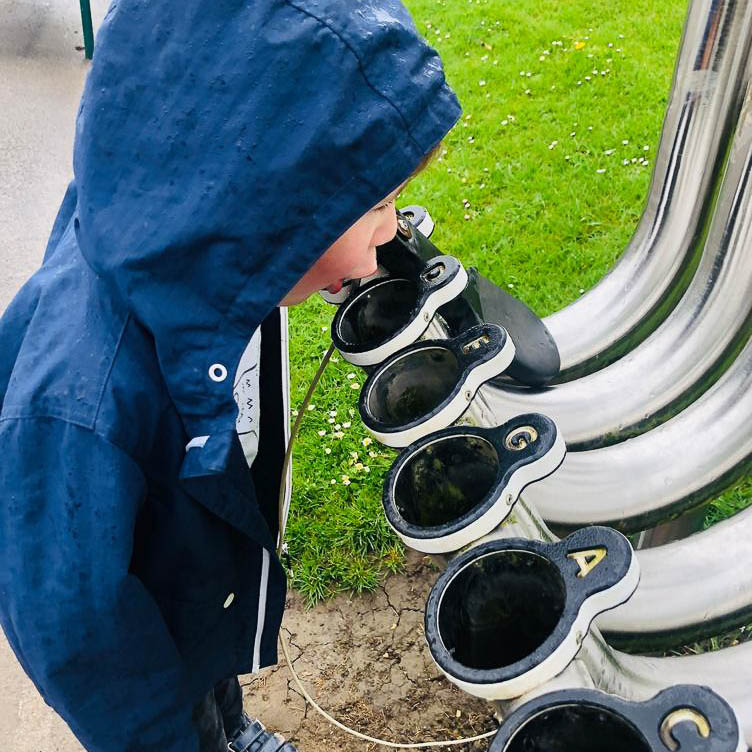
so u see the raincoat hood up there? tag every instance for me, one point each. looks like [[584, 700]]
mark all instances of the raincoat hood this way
[[221, 147]]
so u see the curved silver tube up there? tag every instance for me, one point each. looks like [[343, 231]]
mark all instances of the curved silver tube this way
[[687, 353], [668, 608], [661, 474], [595, 663], [637, 677], [656, 267]]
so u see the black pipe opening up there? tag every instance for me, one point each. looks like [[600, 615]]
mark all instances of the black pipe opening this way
[[413, 386], [445, 480], [500, 608], [580, 728], [376, 315]]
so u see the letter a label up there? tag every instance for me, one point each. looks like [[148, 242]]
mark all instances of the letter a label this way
[[588, 560]]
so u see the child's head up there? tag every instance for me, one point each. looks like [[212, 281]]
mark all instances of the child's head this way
[[353, 254], [216, 176]]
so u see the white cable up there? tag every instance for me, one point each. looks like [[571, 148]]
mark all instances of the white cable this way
[[365, 737], [283, 641]]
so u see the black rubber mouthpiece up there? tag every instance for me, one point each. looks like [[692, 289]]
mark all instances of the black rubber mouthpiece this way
[[449, 478], [379, 313], [578, 727], [446, 480], [501, 608], [685, 717], [536, 361], [415, 386]]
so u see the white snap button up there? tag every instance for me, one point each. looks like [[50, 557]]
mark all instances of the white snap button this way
[[217, 372], [228, 601]]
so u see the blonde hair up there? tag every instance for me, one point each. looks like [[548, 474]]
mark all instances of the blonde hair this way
[[427, 159]]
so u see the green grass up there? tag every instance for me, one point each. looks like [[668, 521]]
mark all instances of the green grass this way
[[337, 535], [733, 500], [542, 218], [532, 189]]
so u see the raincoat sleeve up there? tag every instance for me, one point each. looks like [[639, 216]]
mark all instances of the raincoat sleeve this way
[[86, 630]]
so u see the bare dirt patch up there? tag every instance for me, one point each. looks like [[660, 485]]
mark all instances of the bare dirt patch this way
[[366, 662]]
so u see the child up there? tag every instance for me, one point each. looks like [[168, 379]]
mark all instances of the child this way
[[221, 148]]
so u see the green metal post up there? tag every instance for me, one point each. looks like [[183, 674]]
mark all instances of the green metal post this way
[[88, 29]]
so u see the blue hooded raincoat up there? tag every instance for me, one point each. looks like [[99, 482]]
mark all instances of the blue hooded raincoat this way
[[220, 148]]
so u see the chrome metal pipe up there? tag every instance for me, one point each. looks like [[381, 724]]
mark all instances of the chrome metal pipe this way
[[689, 590], [635, 677], [687, 353], [656, 267], [661, 474], [630, 676], [597, 665]]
